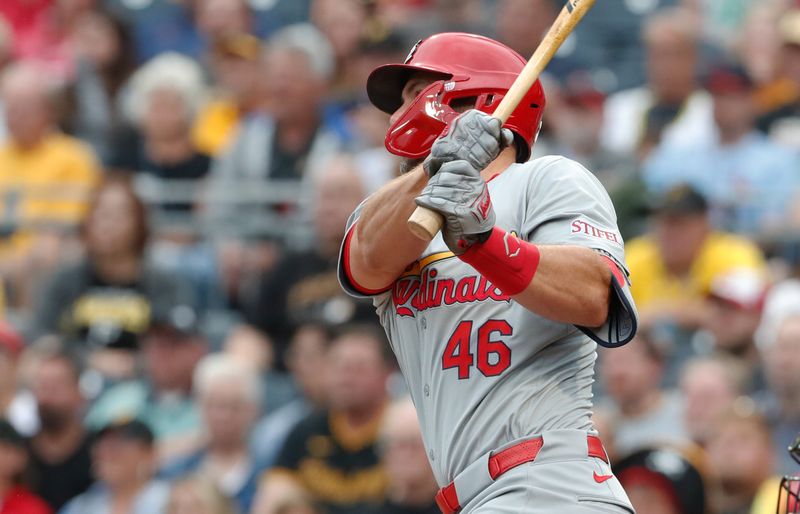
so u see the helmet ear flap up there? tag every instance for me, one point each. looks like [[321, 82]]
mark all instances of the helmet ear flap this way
[[425, 119]]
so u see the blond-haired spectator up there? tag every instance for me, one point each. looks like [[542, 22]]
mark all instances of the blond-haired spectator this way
[[228, 393]]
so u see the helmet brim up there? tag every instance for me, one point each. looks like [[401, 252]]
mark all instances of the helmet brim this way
[[385, 84]]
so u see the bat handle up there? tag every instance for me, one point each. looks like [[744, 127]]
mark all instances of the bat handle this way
[[425, 223]]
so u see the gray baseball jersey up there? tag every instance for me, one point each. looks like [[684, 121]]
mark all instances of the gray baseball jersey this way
[[482, 370]]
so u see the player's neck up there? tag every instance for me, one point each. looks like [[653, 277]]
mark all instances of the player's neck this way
[[506, 158]]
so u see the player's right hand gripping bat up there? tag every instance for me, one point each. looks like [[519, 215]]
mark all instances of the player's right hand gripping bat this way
[[425, 223]]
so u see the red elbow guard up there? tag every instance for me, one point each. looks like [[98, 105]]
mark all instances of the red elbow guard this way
[[505, 260]]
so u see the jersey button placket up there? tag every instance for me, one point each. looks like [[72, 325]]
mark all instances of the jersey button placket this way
[[426, 390], [423, 322]]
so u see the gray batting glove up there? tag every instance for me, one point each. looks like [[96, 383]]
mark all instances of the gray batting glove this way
[[474, 137], [458, 193]]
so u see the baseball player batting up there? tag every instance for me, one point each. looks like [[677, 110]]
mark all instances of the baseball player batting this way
[[495, 321]]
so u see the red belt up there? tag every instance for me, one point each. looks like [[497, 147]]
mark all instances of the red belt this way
[[502, 461]]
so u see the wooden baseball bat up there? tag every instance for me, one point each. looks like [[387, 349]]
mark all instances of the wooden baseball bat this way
[[425, 223]]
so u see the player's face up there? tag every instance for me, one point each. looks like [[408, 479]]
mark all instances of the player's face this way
[[649, 499]]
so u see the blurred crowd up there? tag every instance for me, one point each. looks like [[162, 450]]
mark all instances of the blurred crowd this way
[[175, 177]]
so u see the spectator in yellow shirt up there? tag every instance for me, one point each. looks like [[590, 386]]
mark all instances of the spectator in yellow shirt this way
[[672, 268], [45, 176], [235, 66]]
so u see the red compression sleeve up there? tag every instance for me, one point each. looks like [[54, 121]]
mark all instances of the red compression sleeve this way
[[505, 260]]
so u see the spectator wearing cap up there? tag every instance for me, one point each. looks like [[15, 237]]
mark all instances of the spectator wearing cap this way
[[663, 480], [228, 394], [733, 314], [303, 286], [741, 459], [235, 65], [105, 302], [17, 405], [749, 181], [124, 461], [577, 119], [15, 498], [643, 413], [671, 108], [780, 350], [412, 487], [46, 178], [60, 464], [162, 398], [674, 264]]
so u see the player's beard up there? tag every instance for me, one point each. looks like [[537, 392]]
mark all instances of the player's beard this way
[[407, 165]]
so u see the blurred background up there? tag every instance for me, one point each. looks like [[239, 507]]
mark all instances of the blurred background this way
[[175, 176]]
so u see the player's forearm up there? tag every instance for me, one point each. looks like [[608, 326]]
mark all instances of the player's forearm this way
[[571, 285], [382, 246], [568, 284]]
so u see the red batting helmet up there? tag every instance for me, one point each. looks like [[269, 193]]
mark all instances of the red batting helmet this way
[[470, 66]]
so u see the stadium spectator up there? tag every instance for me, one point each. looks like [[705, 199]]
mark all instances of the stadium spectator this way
[[171, 349], [671, 108], [255, 351], [15, 498], [228, 393], [710, 386], [235, 66], [45, 177], [411, 488], [672, 267], [740, 474], [60, 466], [732, 317], [196, 495], [664, 480], [781, 354], [17, 405], [333, 454], [6, 56], [305, 360], [303, 286], [750, 182], [293, 140], [344, 25], [106, 300], [123, 460], [643, 413], [162, 100], [575, 115], [783, 100], [104, 61]]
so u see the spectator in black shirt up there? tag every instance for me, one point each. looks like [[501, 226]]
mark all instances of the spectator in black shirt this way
[[60, 463], [303, 287], [106, 299], [333, 454]]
